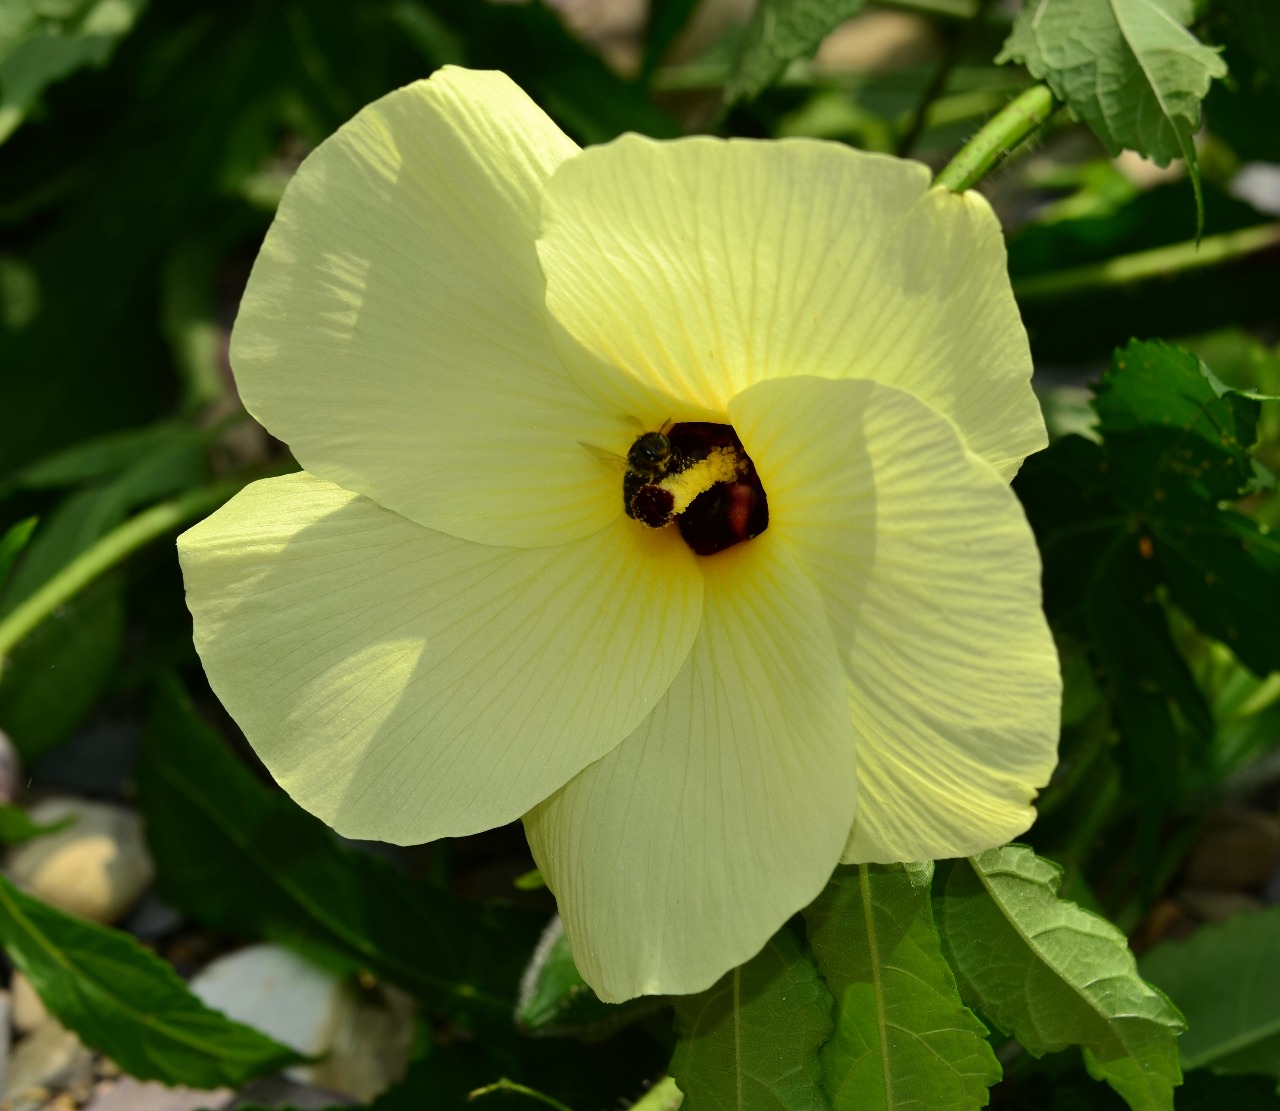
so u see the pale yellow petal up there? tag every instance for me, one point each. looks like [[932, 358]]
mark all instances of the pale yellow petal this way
[[677, 855], [932, 582], [403, 684], [705, 266], [394, 334]]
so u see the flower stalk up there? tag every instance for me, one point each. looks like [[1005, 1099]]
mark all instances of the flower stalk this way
[[1018, 120]]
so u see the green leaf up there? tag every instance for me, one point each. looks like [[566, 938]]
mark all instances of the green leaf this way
[[1226, 980], [120, 473], [16, 825], [1144, 513], [12, 542], [54, 678], [556, 1000], [903, 1038], [1053, 975], [123, 1000], [242, 858], [751, 1042], [105, 457], [43, 43], [1128, 68], [779, 32]]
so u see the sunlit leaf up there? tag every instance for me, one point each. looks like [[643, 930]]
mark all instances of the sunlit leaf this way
[[1129, 68], [779, 32], [1226, 980], [1054, 976], [123, 1000], [751, 1042], [903, 1039]]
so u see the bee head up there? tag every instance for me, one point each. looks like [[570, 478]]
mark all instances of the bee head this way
[[649, 453]]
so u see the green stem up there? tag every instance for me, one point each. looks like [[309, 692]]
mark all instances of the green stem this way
[[106, 553], [505, 1085], [1158, 262], [1020, 118]]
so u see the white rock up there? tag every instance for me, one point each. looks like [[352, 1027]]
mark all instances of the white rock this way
[[370, 1040], [274, 990], [96, 868], [365, 1034]]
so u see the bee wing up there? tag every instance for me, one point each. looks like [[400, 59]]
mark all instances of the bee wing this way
[[610, 458]]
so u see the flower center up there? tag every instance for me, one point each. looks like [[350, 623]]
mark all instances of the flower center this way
[[700, 476]]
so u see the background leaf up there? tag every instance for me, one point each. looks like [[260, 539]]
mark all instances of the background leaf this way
[[12, 541], [1146, 511], [902, 1038], [1053, 975], [43, 43], [54, 678], [751, 1042], [128, 1003], [1226, 980], [779, 32]]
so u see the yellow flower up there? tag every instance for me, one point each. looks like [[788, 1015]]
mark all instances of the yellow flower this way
[[459, 322]]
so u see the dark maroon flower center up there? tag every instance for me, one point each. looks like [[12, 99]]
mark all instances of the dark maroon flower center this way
[[699, 476]]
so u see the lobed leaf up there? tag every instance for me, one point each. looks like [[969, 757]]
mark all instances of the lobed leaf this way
[[1129, 68], [779, 32], [903, 1038], [751, 1042], [1053, 975], [1146, 512], [126, 1002], [1226, 980]]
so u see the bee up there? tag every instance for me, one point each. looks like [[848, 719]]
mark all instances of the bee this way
[[649, 459], [726, 512]]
